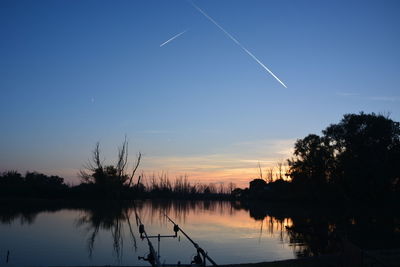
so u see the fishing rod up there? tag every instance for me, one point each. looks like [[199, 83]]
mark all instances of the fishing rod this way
[[152, 257], [198, 248]]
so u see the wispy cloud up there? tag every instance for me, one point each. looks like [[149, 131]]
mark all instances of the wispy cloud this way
[[346, 94], [172, 38], [238, 43], [155, 131], [373, 98], [385, 98]]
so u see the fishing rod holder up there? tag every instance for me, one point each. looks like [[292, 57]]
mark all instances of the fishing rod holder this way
[[200, 259], [151, 258], [159, 236]]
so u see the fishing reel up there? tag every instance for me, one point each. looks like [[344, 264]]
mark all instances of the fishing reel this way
[[197, 260], [150, 258]]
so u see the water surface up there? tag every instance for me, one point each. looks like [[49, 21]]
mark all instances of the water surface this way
[[60, 234]]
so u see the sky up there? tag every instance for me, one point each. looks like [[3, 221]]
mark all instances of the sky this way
[[73, 73]]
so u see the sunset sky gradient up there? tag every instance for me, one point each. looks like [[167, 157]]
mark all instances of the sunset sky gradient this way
[[76, 72]]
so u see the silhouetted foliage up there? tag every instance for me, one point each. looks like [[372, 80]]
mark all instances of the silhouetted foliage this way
[[355, 159], [367, 150], [161, 185], [312, 160], [106, 184], [33, 184], [257, 185], [107, 180], [358, 156]]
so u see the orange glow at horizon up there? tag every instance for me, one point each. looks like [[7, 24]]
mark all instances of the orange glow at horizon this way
[[228, 166], [240, 177]]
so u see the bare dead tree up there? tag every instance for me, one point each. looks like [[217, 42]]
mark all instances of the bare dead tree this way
[[260, 170], [122, 158], [138, 180], [92, 166], [280, 170], [231, 187], [270, 174], [96, 156], [139, 157], [94, 169], [221, 188]]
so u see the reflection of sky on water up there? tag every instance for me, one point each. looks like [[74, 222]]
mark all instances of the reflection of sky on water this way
[[229, 236]]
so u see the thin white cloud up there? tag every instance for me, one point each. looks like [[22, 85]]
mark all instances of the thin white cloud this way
[[156, 132], [373, 98], [172, 38], [346, 94], [238, 43], [385, 98]]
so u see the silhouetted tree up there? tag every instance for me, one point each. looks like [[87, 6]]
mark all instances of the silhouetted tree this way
[[367, 150], [34, 184], [257, 185], [11, 178], [110, 180], [312, 160], [359, 155]]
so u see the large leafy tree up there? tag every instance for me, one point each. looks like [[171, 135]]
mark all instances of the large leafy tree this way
[[312, 162], [367, 148], [360, 154]]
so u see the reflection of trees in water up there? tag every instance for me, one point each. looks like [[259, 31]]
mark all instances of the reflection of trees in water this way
[[153, 211], [112, 217], [25, 212], [326, 234], [273, 226], [309, 231], [312, 237], [314, 231], [108, 217], [308, 234], [24, 217], [271, 223]]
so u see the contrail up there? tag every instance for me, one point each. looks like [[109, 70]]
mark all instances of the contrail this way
[[237, 42], [169, 40]]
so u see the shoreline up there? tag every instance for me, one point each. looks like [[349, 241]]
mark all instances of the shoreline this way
[[317, 261], [368, 258]]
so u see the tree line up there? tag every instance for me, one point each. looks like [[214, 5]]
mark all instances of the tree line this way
[[33, 184], [106, 181], [356, 158], [39, 185]]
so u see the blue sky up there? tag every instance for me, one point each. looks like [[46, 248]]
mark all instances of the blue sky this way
[[76, 72]]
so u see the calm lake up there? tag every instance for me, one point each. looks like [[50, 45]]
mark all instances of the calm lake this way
[[73, 234]]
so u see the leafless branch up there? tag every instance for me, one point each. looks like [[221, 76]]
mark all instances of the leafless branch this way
[[139, 157]]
